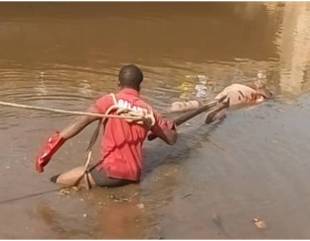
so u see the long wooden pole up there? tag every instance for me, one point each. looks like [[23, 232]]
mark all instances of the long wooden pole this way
[[187, 116]]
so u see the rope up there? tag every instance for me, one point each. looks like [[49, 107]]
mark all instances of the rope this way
[[122, 113], [93, 139], [31, 107]]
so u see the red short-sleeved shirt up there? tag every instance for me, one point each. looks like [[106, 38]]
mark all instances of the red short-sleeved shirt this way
[[121, 143]]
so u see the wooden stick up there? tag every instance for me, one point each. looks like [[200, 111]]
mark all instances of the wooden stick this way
[[191, 114], [31, 107], [187, 116]]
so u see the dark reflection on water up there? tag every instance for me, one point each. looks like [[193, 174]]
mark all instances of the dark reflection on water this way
[[216, 179]]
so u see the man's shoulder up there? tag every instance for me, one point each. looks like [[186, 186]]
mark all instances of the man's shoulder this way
[[134, 99], [105, 98], [103, 102], [144, 102]]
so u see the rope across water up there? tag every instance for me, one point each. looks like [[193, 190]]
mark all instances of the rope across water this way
[[31, 107], [125, 114]]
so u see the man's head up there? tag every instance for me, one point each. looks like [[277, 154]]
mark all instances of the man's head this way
[[130, 76]]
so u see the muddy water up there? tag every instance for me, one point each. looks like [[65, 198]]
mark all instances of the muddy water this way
[[216, 179]]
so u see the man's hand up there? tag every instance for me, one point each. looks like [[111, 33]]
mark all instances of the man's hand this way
[[52, 145], [163, 128], [140, 118], [148, 121]]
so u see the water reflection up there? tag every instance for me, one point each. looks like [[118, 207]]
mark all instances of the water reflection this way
[[292, 40]]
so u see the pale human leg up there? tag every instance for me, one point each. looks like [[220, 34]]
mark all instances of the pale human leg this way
[[95, 177], [74, 177]]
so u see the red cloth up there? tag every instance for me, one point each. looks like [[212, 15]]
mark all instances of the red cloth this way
[[121, 143], [51, 146]]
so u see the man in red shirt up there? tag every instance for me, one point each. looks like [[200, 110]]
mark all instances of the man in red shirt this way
[[122, 141]]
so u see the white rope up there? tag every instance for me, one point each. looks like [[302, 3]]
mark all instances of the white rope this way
[[31, 107]]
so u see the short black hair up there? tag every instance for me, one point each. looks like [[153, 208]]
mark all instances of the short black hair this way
[[130, 76]]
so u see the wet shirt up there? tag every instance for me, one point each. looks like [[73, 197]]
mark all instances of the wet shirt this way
[[122, 142], [240, 94]]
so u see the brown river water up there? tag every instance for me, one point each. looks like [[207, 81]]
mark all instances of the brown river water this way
[[217, 178]]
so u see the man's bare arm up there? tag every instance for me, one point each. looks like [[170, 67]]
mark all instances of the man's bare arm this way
[[169, 136], [79, 124], [165, 130], [58, 139]]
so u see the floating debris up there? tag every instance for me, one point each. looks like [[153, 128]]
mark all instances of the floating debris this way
[[140, 205], [75, 188], [134, 195], [216, 218], [68, 190], [261, 74], [201, 90], [113, 197], [187, 195], [64, 191], [85, 215], [119, 199], [260, 224], [202, 77]]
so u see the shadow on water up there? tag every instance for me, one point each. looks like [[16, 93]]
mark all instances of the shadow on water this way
[[190, 137]]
